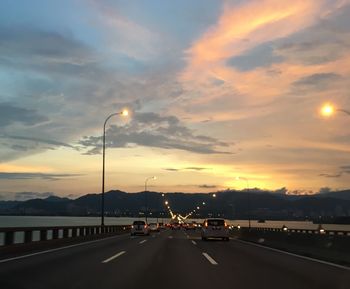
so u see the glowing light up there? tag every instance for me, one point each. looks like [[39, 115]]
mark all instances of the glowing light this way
[[125, 112], [327, 110], [214, 195], [166, 203]]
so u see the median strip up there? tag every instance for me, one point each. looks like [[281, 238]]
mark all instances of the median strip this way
[[210, 259], [143, 241], [113, 257]]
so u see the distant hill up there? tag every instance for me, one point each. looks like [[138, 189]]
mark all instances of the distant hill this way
[[343, 195], [256, 204]]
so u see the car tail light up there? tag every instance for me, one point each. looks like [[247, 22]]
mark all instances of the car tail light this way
[[225, 225], [206, 224], [145, 226]]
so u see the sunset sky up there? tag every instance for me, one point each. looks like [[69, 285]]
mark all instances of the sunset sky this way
[[215, 89]]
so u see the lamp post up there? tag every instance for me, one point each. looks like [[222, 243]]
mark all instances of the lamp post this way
[[123, 113], [328, 109], [249, 204], [146, 181]]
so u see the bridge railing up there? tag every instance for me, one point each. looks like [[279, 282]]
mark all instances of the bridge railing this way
[[23, 235], [319, 231]]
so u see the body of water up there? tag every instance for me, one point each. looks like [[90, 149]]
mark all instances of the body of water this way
[[38, 221]]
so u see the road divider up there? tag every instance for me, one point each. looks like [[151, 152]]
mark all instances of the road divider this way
[[210, 259], [113, 257]]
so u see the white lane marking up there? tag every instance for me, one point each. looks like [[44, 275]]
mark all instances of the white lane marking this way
[[143, 241], [113, 257], [294, 255], [57, 249], [170, 237], [210, 259], [194, 242]]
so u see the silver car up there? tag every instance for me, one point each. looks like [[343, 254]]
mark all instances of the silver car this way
[[215, 228], [139, 228]]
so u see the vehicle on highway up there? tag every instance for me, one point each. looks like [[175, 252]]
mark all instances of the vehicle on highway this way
[[139, 228], [190, 226], [175, 226], [215, 228], [154, 227]]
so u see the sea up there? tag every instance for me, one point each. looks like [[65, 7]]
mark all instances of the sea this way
[[42, 221], [38, 221]]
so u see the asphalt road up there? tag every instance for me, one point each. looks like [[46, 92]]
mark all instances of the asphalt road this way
[[170, 259]]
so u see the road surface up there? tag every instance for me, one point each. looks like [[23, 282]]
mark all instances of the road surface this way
[[170, 259]]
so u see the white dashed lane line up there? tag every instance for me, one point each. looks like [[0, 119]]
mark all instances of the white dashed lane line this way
[[194, 242], [210, 259], [143, 241], [113, 257]]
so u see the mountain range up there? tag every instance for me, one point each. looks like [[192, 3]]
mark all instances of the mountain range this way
[[255, 204]]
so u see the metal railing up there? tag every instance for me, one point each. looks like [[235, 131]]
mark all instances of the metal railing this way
[[319, 231], [24, 235]]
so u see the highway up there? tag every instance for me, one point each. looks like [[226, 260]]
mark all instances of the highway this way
[[169, 259]]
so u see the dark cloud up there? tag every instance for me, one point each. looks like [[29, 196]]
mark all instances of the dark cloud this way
[[313, 52], [343, 170], [336, 175], [23, 196], [43, 176], [207, 186], [36, 140], [153, 130], [317, 81], [23, 47], [319, 44], [10, 114], [184, 169], [325, 190], [260, 56], [195, 168]]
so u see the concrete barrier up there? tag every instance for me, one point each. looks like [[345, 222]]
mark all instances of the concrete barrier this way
[[25, 235]]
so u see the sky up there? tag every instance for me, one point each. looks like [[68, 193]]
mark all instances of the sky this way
[[216, 90]]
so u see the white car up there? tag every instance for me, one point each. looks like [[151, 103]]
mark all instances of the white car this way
[[139, 228], [154, 227], [215, 228]]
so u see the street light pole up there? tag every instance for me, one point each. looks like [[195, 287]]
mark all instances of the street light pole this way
[[124, 113], [146, 181]]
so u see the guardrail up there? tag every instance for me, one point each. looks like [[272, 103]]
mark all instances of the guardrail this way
[[24, 235], [318, 231]]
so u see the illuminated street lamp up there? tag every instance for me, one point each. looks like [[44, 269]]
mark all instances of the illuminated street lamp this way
[[214, 195], [146, 181], [122, 113], [166, 203], [328, 110]]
